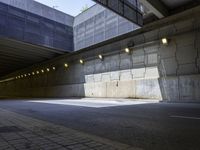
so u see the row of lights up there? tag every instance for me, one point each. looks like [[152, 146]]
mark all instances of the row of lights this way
[[164, 41], [35, 73]]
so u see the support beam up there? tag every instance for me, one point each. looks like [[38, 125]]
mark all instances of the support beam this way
[[156, 7], [125, 8]]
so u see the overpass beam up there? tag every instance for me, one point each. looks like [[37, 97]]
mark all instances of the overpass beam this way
[[156, 7]]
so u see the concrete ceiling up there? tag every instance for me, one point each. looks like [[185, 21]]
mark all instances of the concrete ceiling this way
[[164, 8], [172, 4], [15, 55]]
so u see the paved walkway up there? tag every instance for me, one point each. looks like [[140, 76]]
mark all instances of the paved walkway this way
[[18, 132]]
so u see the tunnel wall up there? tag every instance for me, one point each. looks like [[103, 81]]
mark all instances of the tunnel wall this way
[[152, 70]]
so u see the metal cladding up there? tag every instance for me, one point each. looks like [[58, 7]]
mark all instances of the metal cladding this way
[[125, 8], [27, 27]]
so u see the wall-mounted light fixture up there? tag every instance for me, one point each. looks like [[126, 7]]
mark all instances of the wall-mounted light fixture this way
[[54, 68], [100, 57], [37, 72], [48, 69], [42, 71], [66, 65], [127, 50], [81, 61], [165, 41]]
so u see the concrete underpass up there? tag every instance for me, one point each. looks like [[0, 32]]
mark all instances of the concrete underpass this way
[[102, 79]]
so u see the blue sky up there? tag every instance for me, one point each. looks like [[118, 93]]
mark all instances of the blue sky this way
[[71, 7]]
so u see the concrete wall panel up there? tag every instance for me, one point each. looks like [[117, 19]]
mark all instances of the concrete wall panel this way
[[148, 89], [169, 88]]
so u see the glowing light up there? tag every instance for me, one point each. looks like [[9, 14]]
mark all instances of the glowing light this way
[[127, 50], [165, 41], [100, 56], [37, 72], [66, 65], [54, 68], [33, 73], [29, 74], [42, 71], [48, 69], [81, 61]]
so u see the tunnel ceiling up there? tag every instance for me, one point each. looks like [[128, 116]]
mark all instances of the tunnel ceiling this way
[[15, 55], [152, 9], [158, 9], [172, 4]]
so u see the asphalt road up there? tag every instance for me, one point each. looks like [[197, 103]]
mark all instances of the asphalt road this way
[[156, 126]]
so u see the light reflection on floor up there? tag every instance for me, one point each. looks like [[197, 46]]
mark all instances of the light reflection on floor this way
[[95, 102]]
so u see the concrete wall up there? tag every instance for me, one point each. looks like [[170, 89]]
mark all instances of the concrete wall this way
[[98, 24], [151, 70], [41, 10], [20, 25]]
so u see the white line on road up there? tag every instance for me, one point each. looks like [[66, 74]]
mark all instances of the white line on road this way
[[185, 117]]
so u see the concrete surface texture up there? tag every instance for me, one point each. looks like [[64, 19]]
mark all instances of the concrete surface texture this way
[[146, 126], [41, 10], [98, 24], [151, 70], [37, 29]]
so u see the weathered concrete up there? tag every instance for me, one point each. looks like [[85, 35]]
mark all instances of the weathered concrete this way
[[98, 24], [151, 70], [41, 10]]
